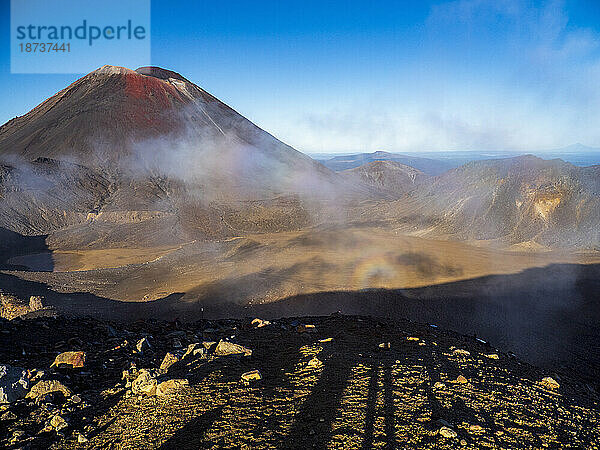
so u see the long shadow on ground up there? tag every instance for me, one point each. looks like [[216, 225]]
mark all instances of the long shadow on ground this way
[[548, 316]]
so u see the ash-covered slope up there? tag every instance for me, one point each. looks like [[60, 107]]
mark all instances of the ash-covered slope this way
[[522, 199], [46, 194], [118, 148], [390, 176]]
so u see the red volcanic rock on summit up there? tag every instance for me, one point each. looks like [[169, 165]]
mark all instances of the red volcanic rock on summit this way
[[105, 110], [99, 116]]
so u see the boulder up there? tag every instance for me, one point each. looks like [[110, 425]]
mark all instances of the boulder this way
[[208, 345], [143, 345], [253, 375], [550, 383], [8, 415], [144, 384], [58, 423], [171, 386], [14, 383], [461, 380], [35, 303], [448, 433], [314, 363], [44, 387], [225, 348], [129, 375], [194, 349], [168, 361], [11, 306], [306, 328], [259, 323], [72, 360]]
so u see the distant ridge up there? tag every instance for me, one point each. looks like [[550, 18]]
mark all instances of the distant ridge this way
[[388, 175], [577, 147], [514, 200], [426, 165]]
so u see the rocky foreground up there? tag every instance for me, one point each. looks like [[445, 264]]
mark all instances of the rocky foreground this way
[[335, 382]]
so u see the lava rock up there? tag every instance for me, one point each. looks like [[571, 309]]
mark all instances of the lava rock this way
[[209, 345], [44, 387], [8, 415], [461, 380], [550, 383], [448, 433], [144, 384], [143, 345], [225, 348], [58, 423], [73, 360], [253, 375], [259, 323], [194, 349], [168, 361], [171, 386], [314, 363]]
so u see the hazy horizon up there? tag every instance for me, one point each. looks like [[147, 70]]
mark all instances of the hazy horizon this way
[[574, 148], [576, 154]]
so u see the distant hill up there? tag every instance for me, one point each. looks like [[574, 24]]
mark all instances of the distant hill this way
[[576, 154], [390, 176], [576, 148], [522, 199], [425, 165]]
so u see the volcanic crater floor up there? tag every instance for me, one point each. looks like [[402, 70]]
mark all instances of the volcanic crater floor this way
[[326, 382]]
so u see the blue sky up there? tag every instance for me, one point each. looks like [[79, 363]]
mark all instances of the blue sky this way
[[381, 75]]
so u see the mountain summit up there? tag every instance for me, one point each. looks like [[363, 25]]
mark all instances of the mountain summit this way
[[104, 114], [119, 143]]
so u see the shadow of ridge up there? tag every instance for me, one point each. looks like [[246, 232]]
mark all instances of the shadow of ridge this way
[[85, 304], [14, 244], [548, 316]]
